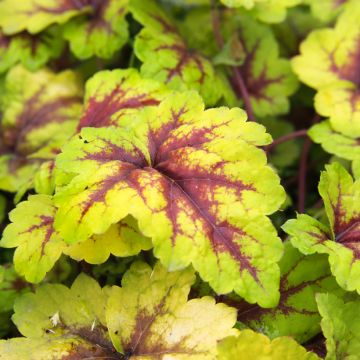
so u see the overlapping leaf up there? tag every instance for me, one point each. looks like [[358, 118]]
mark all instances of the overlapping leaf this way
[[341, 326], [110, 95], [150, 317], [102, 33], [259, 347], [39, 245], [268, 78], [40, 112], [196, 183], [341, 196], [32, 51], [36, 15], [329, 62], [296, 314], [167, 58], [270, 11]]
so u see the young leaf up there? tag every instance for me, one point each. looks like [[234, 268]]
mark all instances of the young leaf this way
[[329, 62], [167, 58], [150, 315], [110, 95], [341, 196], [40, 112], [195, 181], [39, 245], [341, 326], [268, 78], [296, 314], [261, 348], [33, 51], [36, 15], [100, 34]]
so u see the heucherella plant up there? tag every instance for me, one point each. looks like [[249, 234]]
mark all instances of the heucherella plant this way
[[179, 179]]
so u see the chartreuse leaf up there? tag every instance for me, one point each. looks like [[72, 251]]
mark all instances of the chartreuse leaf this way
[[149, 316], [32, 51], [341, 196], [268, 78], [39, 245], [110, 95], [102, 33], [296, 314], [45, 178], [167, 58], [195, 181], [259, 347], [36, 15], [40, 112], [326, 10], [341, 326], [329, 62], [270, 11], [61, 323]]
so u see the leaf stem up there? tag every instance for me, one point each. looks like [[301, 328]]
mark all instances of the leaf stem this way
[[239, 81], [284, 138]]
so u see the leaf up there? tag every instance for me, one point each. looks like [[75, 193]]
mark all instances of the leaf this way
[[340, 325], [51, 347], [341, 198], [59, 321], [100, 34], [195, 182], [36, 15], [32, 51], [296, 314], [150, 315], [39, 245], [40, 112], [270, 11], [110, 95], [176, 65], [3, 208], [329, 62], [11, 287], [45, 177], [326, 10], [261, 348], [268, 78]]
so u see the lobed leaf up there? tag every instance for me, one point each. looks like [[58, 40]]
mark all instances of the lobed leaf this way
[[40, 112], [195, 182], [167, 58], [340, 325], [150, 317], [341, 198]]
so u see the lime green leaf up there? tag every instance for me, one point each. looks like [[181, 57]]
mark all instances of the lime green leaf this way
[[334, 142], [36, 15], [195, 181], [356, 168], [150, 315], [341, 196], [261, 348], [296, 314], [326, 10], [44, 180], [329, 62], [32, 51], [32, 232], [39, 245], [100, 34], [268, 78], [110, 95], [167, 58], [52, 347], [40, 112], [341, 326], [270, 11]]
